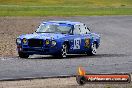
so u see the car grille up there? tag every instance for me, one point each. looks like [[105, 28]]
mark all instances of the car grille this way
[[35, 43]]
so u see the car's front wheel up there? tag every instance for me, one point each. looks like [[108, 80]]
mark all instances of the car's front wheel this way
[[23, 55], [93, 49], [63, 52]]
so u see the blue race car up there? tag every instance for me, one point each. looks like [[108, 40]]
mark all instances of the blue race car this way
[[58, 38]]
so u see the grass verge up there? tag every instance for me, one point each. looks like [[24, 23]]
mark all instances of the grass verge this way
[[62, 11]]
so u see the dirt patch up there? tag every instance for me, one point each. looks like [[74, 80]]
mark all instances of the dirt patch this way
[[12, 27], [57, 83]]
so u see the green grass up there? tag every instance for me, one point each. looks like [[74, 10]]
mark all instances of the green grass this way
[[65, 7]]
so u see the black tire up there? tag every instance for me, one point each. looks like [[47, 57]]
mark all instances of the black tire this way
[[63, 52], [23, 55], [81, 80], [93, 49]]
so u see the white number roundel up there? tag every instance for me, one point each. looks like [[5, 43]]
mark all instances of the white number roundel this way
[[77, 43]]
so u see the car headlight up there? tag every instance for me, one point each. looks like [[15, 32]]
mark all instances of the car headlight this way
[[53, 43], [24, 40], [18, 41], [47, 42]]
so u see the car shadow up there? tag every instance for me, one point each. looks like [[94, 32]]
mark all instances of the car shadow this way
[[110, 55], [80, 56]]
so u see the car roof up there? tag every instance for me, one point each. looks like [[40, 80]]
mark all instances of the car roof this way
[[62, 22]]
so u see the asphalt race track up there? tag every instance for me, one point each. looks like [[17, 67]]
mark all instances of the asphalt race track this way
[[114, 54]]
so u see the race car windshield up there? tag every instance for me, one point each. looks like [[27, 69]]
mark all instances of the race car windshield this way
[[54, 28]]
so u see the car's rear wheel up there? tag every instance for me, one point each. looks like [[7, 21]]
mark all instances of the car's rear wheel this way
[[93, 49], [23, 55]]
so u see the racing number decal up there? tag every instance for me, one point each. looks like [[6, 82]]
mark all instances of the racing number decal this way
[[77, 43]]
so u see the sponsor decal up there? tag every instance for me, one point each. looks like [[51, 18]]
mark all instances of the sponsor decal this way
[[87, 43], [83, 78]]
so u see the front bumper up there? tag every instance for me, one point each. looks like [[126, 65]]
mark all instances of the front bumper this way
[[38, 50]]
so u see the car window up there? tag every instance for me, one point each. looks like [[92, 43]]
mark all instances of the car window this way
[[77, 29], [54, 28], [84, 29]]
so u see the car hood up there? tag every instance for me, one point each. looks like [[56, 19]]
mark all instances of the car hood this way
[[42, 36]]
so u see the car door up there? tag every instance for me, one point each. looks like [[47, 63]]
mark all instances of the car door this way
[[76, 43]]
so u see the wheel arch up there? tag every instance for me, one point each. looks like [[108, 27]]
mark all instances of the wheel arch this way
[[67, 43], [97, 45]]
